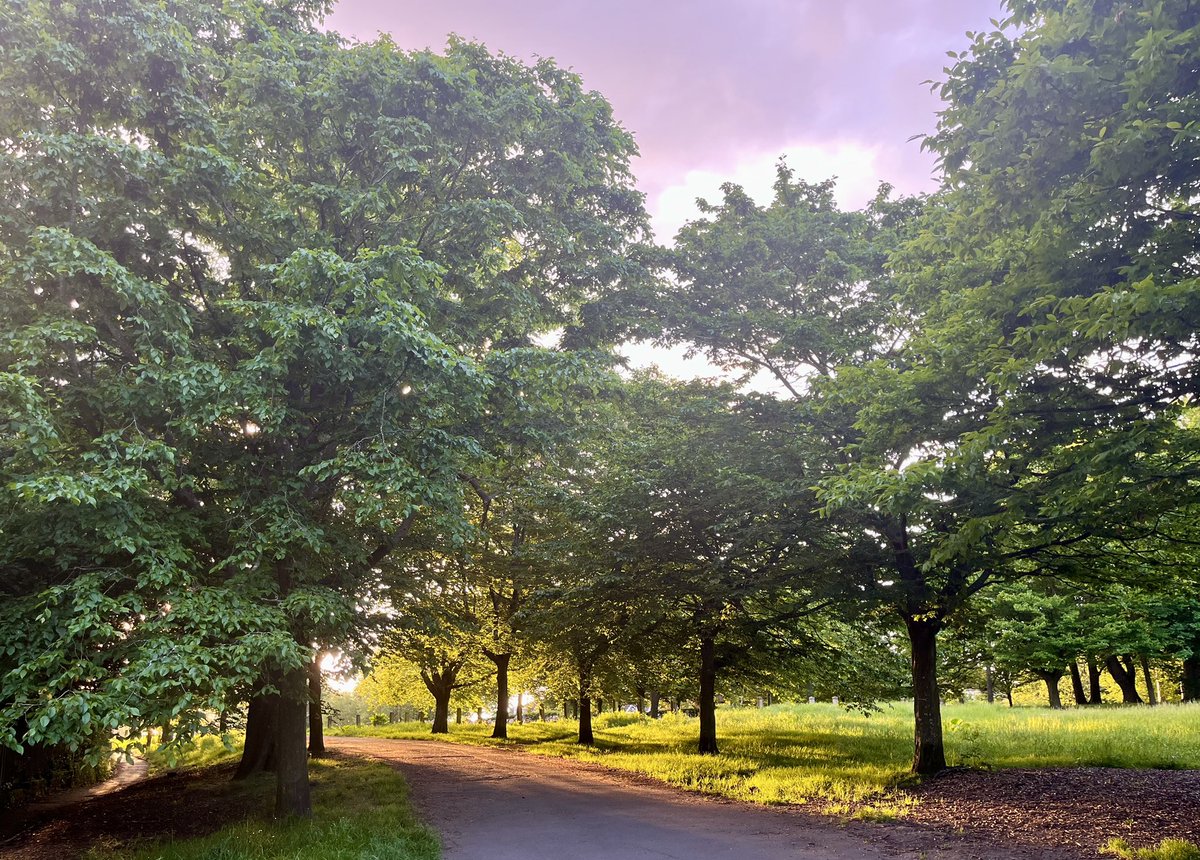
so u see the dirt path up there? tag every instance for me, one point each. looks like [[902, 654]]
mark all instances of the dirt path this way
[[500, 804]]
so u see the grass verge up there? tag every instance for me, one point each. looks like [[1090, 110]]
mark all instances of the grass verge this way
[[361, 810], [843, 762]]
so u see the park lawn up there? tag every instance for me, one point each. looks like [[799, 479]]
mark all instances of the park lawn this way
[[843, 762], [360, 809]]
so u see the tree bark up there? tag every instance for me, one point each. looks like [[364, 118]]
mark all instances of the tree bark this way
[[1095, 693], [1052, 679], [458, 716], [1122, 671], [586, 738], [292, 799], [441, 686], [708, 696], [1191, 675], [990, 681], [1148, 676], [929, 753], [258, 751], [520, 708], [441, 714], [500, 730], [654, 702], [641, 700], [1077, 684], [316, 732]]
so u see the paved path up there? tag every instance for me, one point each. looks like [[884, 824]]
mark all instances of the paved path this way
[[502, 804]]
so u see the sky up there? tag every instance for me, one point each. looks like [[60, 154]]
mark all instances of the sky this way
[[719, 90]]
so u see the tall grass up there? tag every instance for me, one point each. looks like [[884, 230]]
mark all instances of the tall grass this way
[[841, 761]]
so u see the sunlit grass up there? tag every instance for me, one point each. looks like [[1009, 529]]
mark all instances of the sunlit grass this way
[[1168, 849], [842, 762], [203, 752], [361, 811]]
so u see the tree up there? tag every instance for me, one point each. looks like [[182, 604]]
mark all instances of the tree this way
[[804, 292], [688, 504], [1036, 630]]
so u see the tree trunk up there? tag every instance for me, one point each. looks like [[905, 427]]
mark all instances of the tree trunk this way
[[708, 696], [1095, 693], [500, 730], [641, 700], [599, 705], [316, 733], [520, 708], [1077, 684], [585, 708], [929, 752], [458, 716], [258, 751], [1122, 671], [441, 712], [1148, 676], [1191, 676], [441, 686], [292, 798], [990, 680], [1052, 679], [654, 702]]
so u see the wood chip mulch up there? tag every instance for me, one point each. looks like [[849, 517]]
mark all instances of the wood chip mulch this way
[[1078, 809]]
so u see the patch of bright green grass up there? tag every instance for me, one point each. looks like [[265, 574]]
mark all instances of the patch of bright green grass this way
[[842, 762], [361, 811], [203, 752], [1168, 849]]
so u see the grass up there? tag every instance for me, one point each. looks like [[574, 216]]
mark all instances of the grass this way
[[361, 811], [1168, 849], [845, 763], [203, 752]]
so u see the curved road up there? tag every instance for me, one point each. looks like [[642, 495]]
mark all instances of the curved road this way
[[501, 804]]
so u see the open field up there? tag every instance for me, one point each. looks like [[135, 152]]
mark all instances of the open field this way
[[844, 761]]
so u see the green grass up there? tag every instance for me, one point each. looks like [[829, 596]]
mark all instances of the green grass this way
[[203, 752], [1168, 849], [845, 763], [361, 811]]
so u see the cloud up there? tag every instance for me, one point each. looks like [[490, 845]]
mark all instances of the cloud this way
[[855, 165]]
